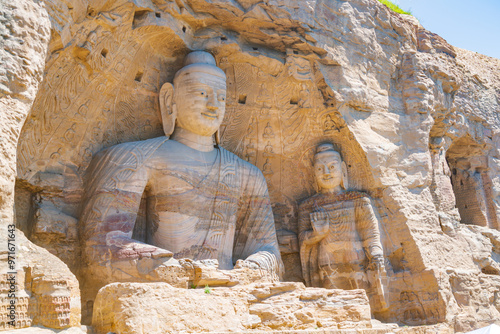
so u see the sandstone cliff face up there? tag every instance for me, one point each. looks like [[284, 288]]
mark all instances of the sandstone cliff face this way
[[25, 31], [46, 292], [415, 118]]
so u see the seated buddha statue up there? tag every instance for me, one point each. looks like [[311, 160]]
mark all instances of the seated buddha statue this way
[[205, 207]]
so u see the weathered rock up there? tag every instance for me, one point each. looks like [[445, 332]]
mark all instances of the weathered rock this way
[[415, 119], [25, 33], [43, 330], [36, 287], [161, 308], [41, 289]]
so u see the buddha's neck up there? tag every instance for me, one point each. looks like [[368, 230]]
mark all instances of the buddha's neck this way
[[332, 191], [193, 140]]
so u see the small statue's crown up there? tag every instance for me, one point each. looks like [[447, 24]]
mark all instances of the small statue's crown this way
[[325, 147]]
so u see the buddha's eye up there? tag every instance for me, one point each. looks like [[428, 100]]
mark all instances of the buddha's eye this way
[[222, 98]]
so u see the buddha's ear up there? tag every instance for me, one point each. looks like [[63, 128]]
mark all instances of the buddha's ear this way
[[345, 180], [168, 109]]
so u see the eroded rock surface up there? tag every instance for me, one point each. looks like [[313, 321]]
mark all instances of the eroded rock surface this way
[[37, 288], [44, 291], [161, 308], [25, 31], [416, 121]]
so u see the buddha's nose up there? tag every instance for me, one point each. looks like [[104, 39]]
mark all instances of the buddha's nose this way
[[212, 103]]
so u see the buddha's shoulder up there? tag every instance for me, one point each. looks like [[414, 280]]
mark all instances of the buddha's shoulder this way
[[320, 199], [124, 151], [242, 165], [310, 200]]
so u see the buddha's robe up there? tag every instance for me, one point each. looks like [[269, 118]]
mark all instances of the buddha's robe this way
[[353, 235], [200, 205]]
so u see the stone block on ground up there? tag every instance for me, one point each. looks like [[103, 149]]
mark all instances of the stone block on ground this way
[[161, 308]]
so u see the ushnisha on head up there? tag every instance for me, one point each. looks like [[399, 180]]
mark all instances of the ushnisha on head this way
[[196, 102], [329, 169]]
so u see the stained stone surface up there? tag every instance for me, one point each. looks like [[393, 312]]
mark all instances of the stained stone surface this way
[[415, 119], [42, 287], [161, 308], [46, 293]]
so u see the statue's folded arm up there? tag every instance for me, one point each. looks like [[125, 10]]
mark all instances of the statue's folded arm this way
[[255, 238], [116, 181]]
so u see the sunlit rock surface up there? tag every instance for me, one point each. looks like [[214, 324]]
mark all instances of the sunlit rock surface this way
[[415, 120]]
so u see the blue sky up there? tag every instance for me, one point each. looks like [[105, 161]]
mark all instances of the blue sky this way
[[473, 25]]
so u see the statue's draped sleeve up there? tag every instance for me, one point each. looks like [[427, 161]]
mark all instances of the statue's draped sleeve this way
[[367, 226], [255, 237], [308, 252], [115, 181]]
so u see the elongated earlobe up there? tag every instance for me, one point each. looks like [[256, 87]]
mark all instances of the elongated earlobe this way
[[168, 109], [345, 181]]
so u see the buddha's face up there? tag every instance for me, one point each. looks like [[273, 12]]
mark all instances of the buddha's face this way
[[328, 170], [200, 100]]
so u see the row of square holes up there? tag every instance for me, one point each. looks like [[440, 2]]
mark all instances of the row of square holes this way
[[158, 15], [138, 76], [223, 38], [242, 99]]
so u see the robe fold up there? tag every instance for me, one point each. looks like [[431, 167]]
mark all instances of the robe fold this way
[[218, 209]]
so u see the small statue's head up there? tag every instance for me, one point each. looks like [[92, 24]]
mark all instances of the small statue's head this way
[[329, 169], [198, 102]]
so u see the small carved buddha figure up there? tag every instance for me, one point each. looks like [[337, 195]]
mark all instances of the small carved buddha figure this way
[[264, 98], [203, 203], [338, 233], [268, 131], [329, 125], [304, 97], [268, 150], [267, 168]]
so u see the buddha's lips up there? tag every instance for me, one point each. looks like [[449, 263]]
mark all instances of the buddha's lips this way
[[209, 114]]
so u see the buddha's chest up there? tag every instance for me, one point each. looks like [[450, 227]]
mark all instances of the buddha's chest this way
[[192, 211], [192, 187], [173, 171], [172, 179], [341, 220], [339, 213]]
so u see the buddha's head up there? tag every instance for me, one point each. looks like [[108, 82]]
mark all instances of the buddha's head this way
[[197, 100], [329, 169]]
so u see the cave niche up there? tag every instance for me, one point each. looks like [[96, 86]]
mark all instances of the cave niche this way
[[468, 162]]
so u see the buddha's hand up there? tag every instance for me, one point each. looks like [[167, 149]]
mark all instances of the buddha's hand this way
[[188, 273], [377, 264], [320, 222], [122, 247], [246, 264], [142, 263], [249, 271], [160, 269]]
